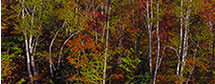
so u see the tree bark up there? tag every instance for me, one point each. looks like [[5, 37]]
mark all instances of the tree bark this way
[[150, 38], [158, 46], [61, 49], [28, 58], [181, 37], [31, 46], [50, 51], [185, 42], [106, 43], [105, 13], [149, 32], [26, 46]]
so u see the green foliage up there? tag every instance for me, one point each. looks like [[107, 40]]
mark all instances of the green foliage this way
[[129, 65], [21, 81], [83, 59]]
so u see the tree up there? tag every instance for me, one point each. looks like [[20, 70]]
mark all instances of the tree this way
[[108, 41]]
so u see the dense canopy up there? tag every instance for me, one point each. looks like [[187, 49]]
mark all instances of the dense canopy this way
[[108, 41]]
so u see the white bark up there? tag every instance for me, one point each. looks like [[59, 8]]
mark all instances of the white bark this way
[[149, 31], [179, 61], [61, 49], [158, 46], [28, 58], [181, 36], [185, 42], [106, 50], [26, 45], [33, 54], [105, 25], [163, 53], [106, 43], [31, 45], [150, 39], [50, 50]]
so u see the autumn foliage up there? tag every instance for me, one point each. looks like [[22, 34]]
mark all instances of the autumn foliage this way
[[108, 41]]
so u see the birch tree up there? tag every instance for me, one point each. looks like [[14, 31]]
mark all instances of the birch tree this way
[[26, 45], [30, 30], [158, 44], [184, 45], [108, 8]]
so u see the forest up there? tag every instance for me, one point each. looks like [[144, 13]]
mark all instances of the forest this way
[[108, 41]]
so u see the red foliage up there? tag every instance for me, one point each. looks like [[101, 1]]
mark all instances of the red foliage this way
[[68, 75]]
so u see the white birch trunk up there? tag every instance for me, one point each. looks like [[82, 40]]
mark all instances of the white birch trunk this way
[[158, 46], [181, 36], [26, 46], [150, 38], [149, 31], [106, 50], [31, 46], [50, 51], [185, 43], [106, 43], [28, 58]]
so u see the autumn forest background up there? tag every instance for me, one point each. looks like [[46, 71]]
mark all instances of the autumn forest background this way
[[108, 41]]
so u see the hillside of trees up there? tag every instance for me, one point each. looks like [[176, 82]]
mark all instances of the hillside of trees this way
[[107, 41]]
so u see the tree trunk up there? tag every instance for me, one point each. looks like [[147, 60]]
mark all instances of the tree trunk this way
[[185, 43], [149, 31], [105, 60], [31, 46], [158, 47], [50, 51], [106, 43], [150, 38], [26, 46], [181, 37], [105, 25], [61, 49], [28, 59], [33, 54]]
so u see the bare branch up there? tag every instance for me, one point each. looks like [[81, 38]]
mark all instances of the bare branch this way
[[175, 51], [61, 49], [50, 49]]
